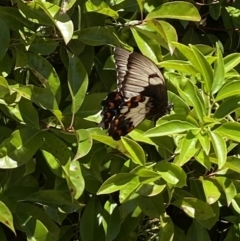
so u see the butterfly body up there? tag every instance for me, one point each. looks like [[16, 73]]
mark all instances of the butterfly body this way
[[141, 93]]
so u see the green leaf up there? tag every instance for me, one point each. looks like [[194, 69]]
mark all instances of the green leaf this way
[[57, 148], [91, 220], [204, 68], [129, 189], [209, 223], [100, 7], [228, 90], [40, 96], [6, 217], [219, 72], [228, 188], [204, 141], [116, 183], [55, 199], [23, 112], [61, 21], [233, 163], [176, 10], [5, 38], [77, 82], [170, 128], [45, 73], [228, 106], [19, 147], [135, 150], [111, 220], [152, 206], [211, 189], [229, 130], [179, 65], [141, 5], [203, 158], [171, 173], [191, 95], [231, 61], [166, 230], [197, 232], [39, 214], [97, 35], [14, 19], [76, 177], [84, 141], [220, 148], [147, 46], [43, 46], [194, 208], [189, 148], [166, 31], [236, 203]]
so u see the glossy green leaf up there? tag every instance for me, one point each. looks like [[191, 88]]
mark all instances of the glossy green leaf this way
[[45, 73], [135, 150], [236, 203], [54, 198], [228, 188], [61, 21], [203, 158], [37, 213], [100, 7], [211, 189], [219, 146], [40, 96], [77, 82], [171, 173], [111, 220], [116, 183], [5, 39], [84, 143], [176, 10], [129, 189], [229, 89], [231, 61], [43, 46], [14, 19], [170, 128], [34, 229], [194, 208], [229, 130], [188, 149], [233, 163], [152, 206], [19, 147], [91, 220], [204, 141], [23, 112], [76, 177], [203, 67], [166, 31], [166, 231], [97, 35], [147, 46], [197, 232], [191, 95], [228, 106], [57, 148], [6, 217], [179, 65], [219, 72], [150, 189]]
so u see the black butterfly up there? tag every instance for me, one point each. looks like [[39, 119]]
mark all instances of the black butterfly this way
[[141, 93]]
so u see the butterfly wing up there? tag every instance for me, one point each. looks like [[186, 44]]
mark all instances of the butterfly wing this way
[[142, 93]]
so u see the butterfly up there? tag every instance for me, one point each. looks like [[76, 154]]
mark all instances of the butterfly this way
[[141, 93]]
